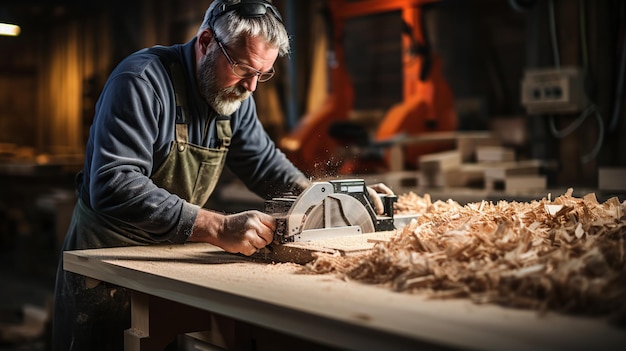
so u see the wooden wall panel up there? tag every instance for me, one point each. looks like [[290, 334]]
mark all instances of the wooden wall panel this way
[[18, 112], [61, 88]]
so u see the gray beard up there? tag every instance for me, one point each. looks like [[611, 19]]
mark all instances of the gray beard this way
[[224, 101]]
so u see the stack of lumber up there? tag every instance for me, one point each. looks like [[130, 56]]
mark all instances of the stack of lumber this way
[[492, 166], [513, 176], [565, 254]]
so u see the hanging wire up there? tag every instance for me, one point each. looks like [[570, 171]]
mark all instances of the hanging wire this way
[[591, 108], [596, 148], [574, 125], [555, 44], [617, 107], [583, 34]]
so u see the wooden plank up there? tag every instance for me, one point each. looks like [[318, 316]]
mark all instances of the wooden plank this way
[[466, 175], [519, 183], [468, 142], [440, 161], [342, 314], [511, 130], [433, 167], [396, 158], [501, 170], [494, 154], [304, 252], [611, 178]]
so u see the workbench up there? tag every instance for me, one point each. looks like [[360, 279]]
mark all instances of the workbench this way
[[177, 288]]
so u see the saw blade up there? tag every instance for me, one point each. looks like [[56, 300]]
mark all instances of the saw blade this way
[[338, 210]]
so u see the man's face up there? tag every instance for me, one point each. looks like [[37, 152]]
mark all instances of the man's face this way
[[224, 100], [219, 85]]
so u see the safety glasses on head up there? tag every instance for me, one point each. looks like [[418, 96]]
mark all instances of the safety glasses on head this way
[[246, 8]]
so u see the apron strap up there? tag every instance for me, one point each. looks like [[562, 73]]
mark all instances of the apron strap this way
[[224, 132], [182, 135], [180, 92]]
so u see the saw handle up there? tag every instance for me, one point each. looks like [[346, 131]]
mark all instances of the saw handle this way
[[388, 204]]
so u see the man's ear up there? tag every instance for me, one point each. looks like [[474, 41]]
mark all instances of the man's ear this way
[[205, 40]]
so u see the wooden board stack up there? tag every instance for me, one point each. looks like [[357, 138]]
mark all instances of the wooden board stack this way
[[493, 167]]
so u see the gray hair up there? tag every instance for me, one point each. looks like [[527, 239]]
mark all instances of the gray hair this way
[[231, 26]]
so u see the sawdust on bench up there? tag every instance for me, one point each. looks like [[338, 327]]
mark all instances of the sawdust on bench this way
[[566, 254]]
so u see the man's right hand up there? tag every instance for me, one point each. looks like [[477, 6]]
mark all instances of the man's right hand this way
[[244, 232]]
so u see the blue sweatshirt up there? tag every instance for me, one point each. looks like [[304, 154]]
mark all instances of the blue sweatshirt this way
[[131, 135]]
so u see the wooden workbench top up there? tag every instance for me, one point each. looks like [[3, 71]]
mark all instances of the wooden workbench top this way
[[324, 309]]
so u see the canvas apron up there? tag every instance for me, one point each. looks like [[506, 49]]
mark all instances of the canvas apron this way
[[91, 315]]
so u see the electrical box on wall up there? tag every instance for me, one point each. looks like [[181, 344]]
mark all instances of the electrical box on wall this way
[[553, 90]]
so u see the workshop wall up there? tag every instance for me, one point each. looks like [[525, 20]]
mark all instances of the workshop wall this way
[[52, 73]]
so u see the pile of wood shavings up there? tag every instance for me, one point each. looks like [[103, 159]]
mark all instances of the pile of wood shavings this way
[[566, 254]]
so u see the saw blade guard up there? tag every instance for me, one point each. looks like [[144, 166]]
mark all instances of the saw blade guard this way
[[308, 199], [329, 209], [338, 210]]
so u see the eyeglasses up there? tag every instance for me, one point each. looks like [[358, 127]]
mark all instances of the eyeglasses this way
[[242, 70]]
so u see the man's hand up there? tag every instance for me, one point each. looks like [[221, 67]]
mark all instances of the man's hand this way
[[247, 232], [373, 191], [244, 232]]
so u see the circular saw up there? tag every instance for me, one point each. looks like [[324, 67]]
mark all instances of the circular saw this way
[[327, 210]]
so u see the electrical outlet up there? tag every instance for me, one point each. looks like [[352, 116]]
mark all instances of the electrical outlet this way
[[550, 90]]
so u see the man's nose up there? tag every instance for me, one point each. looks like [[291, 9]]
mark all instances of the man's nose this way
[[251, 83]]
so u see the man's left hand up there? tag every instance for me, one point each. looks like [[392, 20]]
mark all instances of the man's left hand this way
[[376, 189]]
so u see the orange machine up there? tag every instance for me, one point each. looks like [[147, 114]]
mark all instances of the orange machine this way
[[427, 104]]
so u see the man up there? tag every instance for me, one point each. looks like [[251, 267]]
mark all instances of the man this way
[[167, 122]]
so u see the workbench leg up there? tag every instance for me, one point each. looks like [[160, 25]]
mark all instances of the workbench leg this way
[[155, 322]]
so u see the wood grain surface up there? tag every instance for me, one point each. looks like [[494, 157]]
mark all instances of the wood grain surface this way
[[322, 308]]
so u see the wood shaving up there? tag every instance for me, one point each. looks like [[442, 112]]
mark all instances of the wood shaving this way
[[566, 254]]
